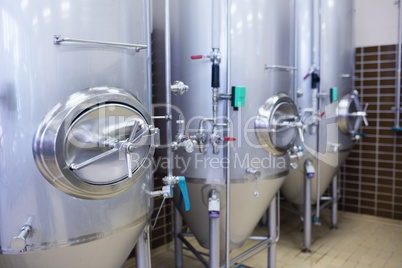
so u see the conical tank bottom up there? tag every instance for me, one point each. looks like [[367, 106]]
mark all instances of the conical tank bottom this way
[[293, 187], [248, 202]]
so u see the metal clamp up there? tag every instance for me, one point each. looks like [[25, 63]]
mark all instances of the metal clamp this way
[[58, 40]]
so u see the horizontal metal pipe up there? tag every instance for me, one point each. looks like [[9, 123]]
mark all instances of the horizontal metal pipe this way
[[58, 40]]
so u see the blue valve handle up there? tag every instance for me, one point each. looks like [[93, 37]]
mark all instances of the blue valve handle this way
[[183, 189]]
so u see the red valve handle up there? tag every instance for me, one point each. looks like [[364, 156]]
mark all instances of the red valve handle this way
[[229, 138], [322, 114], [307, 75], [196, 57]]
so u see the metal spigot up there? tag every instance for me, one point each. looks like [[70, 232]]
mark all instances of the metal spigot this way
[[215, 140], [309, 169], [19, 242], [296, 152], [335, 146]]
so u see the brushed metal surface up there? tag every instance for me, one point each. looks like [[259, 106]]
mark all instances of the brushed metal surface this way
[[37, 75], [261, 35], [336, 68]]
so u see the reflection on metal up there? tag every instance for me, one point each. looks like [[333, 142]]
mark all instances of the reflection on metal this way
[[83, 154], [281, 67], [350, 114], [58, 40], [277, 123], [49, 122], [19, 242]]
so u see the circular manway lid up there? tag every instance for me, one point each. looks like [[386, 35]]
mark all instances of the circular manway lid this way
[[96, 145], [350, 114], [275, 125]]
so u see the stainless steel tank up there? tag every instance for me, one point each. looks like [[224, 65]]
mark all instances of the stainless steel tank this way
[[76, 132], [259, 60], [331, 109]]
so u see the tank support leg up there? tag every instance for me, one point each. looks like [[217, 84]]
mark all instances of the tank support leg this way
[[309, 174], [272, 222], [214, 247], [178, 247], [143, 250], [334, 212]]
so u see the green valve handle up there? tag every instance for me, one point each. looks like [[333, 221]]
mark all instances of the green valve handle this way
[[183, 189], [238, 97], [333, 94]]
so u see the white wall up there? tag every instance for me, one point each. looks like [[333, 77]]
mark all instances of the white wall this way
[[376, 22]]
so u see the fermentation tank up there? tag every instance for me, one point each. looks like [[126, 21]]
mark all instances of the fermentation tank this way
[[329, 107], [75, 130], [237, 115]]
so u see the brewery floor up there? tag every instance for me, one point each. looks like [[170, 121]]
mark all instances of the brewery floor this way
[[359, 241]]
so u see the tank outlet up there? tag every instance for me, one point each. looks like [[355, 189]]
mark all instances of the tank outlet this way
[[214, 206], [19, 242], [309, 169]]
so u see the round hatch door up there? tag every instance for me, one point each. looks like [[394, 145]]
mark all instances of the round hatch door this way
[[275, 125], [350, 114], [96, 145]]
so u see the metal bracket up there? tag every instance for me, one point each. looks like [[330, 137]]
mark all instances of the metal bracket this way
[[58, 40]]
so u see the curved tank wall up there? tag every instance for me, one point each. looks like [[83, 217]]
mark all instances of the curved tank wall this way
[[36, 77], [260, 36], [335, 62]]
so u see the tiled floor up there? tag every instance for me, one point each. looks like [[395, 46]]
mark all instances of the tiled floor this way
[[360, 241]]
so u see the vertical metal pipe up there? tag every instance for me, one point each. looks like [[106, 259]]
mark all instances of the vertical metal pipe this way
[[398, 75], [143, 250], [167, 90], [334, 212], [272, 223], [214, 245], [307, 208], [178, 247], [316, 62], [228, 91], [177, 217], [216, 23], [149, 53]]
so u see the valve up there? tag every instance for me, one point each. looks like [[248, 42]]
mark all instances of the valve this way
[[215, 56], [296, 152], [179, 88], [309, 169], [229, 138], [335, 146], [19, 242], [214, 205], [184, 192]]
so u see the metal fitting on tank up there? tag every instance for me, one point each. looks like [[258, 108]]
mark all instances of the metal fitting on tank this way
[[309, 169]]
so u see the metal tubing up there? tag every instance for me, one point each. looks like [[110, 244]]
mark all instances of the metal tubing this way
[[149, 53], [267, 241], [307, 214], [398, 75], [334, 212], [190, 247], [167, 90], [178, 247], [316, 60], [58, 40], [216, 26], [272, 224], [214, 245], [143, 251], [228, 91]]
